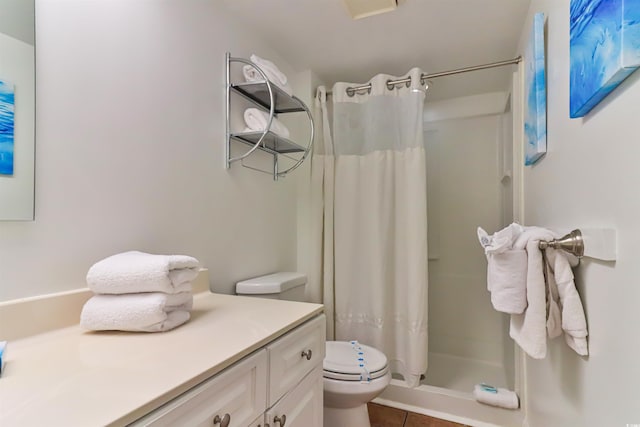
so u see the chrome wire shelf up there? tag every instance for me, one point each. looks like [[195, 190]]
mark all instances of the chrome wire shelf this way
[[271, 142], [258, 92], [271, 98]]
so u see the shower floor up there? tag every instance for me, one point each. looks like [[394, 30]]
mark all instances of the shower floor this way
[[461, 374], [447, 392]]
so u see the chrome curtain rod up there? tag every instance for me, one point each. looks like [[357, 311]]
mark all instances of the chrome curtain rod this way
[[351, 90]]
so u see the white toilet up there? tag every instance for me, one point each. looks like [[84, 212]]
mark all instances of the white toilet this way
[[354, 373]]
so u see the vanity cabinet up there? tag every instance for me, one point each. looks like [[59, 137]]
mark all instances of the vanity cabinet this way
[[237, 394], [279, 385], [239, 361], [302, 406], [293, 356]]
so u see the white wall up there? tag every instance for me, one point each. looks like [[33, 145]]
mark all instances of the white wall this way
[[309, 230], [464, 167], [17, 20], [589, 178], [130, 126], [466, 106]]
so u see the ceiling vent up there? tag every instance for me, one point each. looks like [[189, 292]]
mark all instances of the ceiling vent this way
[[363, 8]]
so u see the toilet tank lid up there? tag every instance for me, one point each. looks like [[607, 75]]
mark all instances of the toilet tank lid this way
[[271, 283]]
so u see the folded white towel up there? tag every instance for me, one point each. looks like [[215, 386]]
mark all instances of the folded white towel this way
[[496, 396], [132, 272], [574, 323], [257, 120], [507, 280], [142, 312], [529, 329], [554, 316], [270, 69]]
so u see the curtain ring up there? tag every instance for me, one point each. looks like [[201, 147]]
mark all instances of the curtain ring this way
[[350, 92], [390, 85]]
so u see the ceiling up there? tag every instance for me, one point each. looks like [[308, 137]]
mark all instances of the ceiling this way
[[435, 35]]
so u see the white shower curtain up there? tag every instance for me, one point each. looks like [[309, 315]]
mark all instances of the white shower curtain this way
[[369, 196]]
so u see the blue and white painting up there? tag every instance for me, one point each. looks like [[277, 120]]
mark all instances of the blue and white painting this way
[[7, 122], [535, 119], [604, 49]]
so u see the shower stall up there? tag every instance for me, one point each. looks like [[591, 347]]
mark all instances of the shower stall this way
[[469, 144]]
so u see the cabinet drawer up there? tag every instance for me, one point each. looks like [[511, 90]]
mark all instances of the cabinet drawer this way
[[239, 391], [302, 406], [287, 364]]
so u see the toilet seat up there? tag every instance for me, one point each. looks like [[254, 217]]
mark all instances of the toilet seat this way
[[342, 362]]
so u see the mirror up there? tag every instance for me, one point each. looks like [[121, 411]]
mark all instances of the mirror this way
[[17, 109]]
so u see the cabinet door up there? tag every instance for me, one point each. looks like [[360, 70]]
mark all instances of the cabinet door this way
[[238, 393], [259, 422], [294, 355], [302, 406]]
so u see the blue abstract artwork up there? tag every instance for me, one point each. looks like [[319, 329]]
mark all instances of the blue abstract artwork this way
[[535, 119], [604, 49], [7, 108]]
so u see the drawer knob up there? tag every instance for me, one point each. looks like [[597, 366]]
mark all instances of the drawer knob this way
[[282, 421], [224, 421], [307, 354]]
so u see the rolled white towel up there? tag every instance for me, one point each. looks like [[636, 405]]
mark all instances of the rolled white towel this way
[[501, 240], [273, 73], [132, 272], [142, 312], [507, 280], [500, 397], [257, 120]]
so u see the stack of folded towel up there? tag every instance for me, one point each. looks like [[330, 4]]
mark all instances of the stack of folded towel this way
[[257, 121], [136, 291], [274, 75], [541, 297]]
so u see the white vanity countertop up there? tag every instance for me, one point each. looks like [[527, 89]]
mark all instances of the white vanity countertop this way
[[72, 377]]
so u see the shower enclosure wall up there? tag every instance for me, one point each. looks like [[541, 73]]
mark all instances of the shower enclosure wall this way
[[469, 147]]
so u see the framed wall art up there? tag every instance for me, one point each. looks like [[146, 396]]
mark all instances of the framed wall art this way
[[535, 109], [604, 49]]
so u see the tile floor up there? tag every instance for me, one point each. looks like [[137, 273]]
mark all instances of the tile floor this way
[[385, 416]]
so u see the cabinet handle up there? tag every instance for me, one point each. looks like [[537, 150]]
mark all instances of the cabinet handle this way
[[306, 354], [224, 421], [282, 420]]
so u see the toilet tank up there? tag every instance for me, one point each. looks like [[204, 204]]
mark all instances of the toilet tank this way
[[284, 285]]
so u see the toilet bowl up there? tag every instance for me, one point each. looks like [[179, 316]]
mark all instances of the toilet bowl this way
[[353, 373]]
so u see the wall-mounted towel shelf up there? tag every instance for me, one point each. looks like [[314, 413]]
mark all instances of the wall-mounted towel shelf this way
[[592, 243], [271, 142], [269, 97], [259, 94]]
